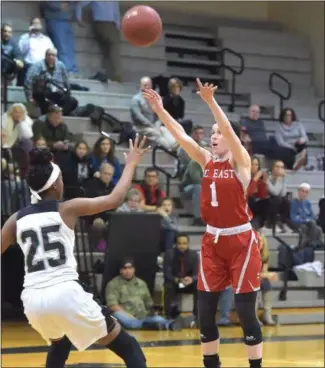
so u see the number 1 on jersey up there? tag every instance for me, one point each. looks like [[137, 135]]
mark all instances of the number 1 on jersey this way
[[214, 200]]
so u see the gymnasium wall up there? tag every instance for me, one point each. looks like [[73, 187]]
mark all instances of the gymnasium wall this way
[[306, 18]]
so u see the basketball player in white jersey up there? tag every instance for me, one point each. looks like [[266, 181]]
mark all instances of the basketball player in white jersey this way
[[54, 302]]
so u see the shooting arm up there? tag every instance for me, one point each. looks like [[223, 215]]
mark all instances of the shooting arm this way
[[8, 233]]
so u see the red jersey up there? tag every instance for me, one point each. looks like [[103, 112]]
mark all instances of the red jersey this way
[[223, 199]]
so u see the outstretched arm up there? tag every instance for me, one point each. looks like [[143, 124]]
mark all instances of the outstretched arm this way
[[8, 233], [89, 206], [196, 152], [239, 153]]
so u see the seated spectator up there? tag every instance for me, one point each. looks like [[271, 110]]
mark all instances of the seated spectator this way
[[175, 104], [266, 287], [180, 275], [278, 210], [106, 26], [258, 194], [97, 187], [149, 189], [104, 151], [47, 83], [11, 61], [40, 143], [32, 46], [145, 120], [225, 304], [129, 300], [291, 136], [169, 223], [198, 137], [53, 129], [132, 202], [17, 128], [58, 17], [75, 170], [303, 217], [190, 186], [253, 133]]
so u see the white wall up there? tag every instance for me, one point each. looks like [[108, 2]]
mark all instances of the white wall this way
[[306, 18]]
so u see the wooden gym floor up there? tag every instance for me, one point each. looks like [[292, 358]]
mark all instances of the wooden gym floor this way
[[285, 346]]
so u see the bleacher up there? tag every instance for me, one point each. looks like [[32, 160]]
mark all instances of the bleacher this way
[[189, 53]]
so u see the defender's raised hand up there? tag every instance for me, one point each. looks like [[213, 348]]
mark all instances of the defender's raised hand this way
[[206, 91], [136, 150], [154, 99]]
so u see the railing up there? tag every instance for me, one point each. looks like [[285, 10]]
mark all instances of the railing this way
[[321, 111], [234, 72], [283, 97], [168, 175]]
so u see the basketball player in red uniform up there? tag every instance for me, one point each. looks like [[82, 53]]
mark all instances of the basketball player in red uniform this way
[[230, 250]]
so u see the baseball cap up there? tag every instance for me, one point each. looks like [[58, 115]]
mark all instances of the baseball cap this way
[[55, 108], [304, 186]]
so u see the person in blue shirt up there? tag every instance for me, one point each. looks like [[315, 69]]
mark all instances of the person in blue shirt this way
[[104, 153], [301, 210]]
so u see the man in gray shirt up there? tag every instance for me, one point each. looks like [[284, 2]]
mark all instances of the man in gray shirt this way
[[145, 120]]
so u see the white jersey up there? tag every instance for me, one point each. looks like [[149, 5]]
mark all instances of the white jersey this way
[[47, 243]]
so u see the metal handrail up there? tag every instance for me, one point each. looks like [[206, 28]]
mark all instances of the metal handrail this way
[[234, 72], [279, 93], [160, 169], [321, 106]]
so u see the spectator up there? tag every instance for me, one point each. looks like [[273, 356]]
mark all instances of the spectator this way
[[17, 128], [266, 286], [224, 306], [278, 210], [59, 16], [97, 187], [291, 136], [180, 275], [132, 202], [53, 129], [198, 136], [321, 215], [145, 120], [258, 193], [11, 61], [175, 104], [190, 186], [302, 216], [253, 133], [169, 223], [33, 46], [40, 143], [104, 151], [76, 170], [129, 299], [149, 189], [47, 84], [106, 26]]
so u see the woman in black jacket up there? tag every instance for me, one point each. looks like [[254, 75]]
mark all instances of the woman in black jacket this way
[[76, 170], [175, 104]]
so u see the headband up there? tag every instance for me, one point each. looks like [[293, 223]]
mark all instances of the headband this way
[[35, 197]]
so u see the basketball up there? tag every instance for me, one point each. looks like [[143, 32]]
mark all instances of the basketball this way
[[141, 26]]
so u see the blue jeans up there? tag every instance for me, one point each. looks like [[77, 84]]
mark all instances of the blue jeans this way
[[225, 304], [61, 34], [136, 324], [193, 191]]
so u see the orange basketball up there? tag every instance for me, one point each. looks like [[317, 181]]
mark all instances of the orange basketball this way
[[141, 26]]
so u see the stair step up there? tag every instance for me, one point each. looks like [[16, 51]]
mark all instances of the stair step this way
[[171, 46], [197, 62], [305, 318], [189, 34]]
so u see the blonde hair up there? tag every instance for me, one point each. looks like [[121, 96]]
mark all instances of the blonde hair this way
[[16, 106]]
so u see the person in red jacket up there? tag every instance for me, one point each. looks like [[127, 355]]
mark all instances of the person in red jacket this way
[[258, 193]]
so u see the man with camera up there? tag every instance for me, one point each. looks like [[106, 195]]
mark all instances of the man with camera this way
[[47, 84]]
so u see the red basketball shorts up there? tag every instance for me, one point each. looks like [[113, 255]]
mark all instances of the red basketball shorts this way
[[234, 260]]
